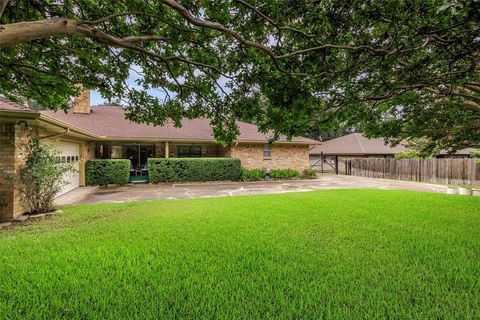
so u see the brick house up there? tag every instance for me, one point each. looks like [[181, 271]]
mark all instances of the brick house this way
[[102, 132]]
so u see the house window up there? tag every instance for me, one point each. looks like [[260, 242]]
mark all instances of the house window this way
[[267, 151], [189, 151]]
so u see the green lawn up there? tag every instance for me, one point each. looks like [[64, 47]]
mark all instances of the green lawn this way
[[331, 254]]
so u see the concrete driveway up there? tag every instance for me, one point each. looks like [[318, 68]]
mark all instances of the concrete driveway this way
[[222, 189]]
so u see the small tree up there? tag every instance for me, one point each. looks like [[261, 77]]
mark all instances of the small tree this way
[[41, 178], [418, 148], [476, 155]]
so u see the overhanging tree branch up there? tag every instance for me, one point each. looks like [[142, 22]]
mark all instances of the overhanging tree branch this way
[[3, 5]]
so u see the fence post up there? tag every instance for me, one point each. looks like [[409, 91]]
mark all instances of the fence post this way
[[336, 164], [321, 160], [449, 169]]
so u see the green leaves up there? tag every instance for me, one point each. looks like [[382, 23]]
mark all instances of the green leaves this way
[[41, 178], [108, 171], [194, 169], [397, 69]]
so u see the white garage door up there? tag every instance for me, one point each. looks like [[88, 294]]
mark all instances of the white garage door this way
[[70, 152]]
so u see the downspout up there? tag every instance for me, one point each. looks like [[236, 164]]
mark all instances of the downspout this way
[[55, 135]]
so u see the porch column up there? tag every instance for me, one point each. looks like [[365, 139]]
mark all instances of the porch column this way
[[167, 149]]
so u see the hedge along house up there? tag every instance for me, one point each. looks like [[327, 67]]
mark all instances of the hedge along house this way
[[102, 132]]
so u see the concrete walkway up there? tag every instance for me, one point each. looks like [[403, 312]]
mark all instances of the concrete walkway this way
[[221, 189]]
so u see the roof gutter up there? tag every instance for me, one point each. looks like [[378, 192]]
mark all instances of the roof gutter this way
[[19, 114], [40, 116], [56, 135]]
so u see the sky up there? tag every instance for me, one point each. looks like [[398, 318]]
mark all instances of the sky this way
[[135, 74], [95, 98]]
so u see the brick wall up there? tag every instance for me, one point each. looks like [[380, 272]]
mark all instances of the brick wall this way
[[81, 104], [12, 158], [90, 151], [282, 156]]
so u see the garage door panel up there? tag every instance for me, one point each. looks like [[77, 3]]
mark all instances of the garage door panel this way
[[69, 152]]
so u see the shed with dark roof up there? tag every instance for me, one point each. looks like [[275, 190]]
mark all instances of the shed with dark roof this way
[[356, 144]]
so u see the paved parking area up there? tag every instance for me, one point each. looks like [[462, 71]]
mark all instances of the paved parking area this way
[[223, 189]]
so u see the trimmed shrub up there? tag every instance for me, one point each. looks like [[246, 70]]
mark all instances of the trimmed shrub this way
[[108, 171], [193, 169], [309, 173], [284, 173], [254, 174]]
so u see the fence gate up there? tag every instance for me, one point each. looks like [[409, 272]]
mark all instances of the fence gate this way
[[331, 164]]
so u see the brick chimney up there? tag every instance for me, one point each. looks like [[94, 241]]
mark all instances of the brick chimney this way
[[81, 104]]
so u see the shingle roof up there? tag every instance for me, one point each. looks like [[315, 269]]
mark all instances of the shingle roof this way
[[358, 144], [109, 121], [12, 106], [355, 144]]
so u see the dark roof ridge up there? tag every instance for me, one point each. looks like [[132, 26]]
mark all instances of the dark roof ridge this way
[[355, 134]]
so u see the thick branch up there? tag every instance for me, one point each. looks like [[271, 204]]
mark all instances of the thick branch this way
[[135, 39], [216, 26], [16, 33], [20, 32], [3, 5]]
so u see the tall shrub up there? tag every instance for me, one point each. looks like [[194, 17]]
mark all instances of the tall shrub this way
[[193, 169], [41, 178], [108, 171]]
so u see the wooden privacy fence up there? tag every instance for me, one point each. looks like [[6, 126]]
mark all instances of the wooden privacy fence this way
[[451, 171]]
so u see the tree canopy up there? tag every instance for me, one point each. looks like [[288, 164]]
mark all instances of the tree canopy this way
[[397, 69]]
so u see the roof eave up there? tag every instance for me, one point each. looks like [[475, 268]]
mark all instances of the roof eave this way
[[63, 124], [279, 142], [20, 114], [163, 139]]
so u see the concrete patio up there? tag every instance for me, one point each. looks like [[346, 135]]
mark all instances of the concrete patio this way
[[87, 195]]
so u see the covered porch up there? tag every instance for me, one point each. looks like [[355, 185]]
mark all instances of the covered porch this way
[[138, 152]]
